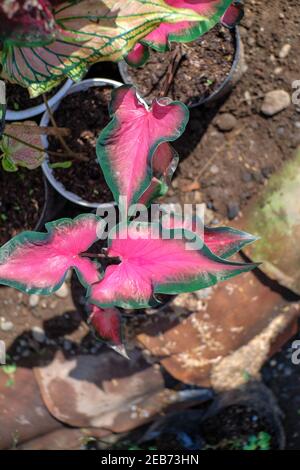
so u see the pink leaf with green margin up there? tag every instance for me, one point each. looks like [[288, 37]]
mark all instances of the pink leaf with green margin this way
[[107, 324], [138, 56], [20, 154], [222, 241], [35, 262], [186, 31], [126, 147], [153, 264], [165, 161], [233, 15]]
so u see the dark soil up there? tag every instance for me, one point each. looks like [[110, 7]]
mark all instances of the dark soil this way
[[18, 97], [232, 428], [203, 67], [85, 114], [22, 199]]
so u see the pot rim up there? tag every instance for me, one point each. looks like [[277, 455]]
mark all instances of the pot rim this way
[[39, 109], [123, 69], [48, 172]]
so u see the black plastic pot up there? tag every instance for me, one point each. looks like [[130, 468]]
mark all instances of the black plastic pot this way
[[237, 70]]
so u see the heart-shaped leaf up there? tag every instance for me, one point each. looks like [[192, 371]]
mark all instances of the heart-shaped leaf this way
[[35, 262], [89, 31], [20, 154], [126, 147], [153, 262]]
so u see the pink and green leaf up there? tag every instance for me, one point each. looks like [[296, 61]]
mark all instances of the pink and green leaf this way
[[154, 262], [127, 146], [211, 12], [89, 31], [35, 262], [19, 154]]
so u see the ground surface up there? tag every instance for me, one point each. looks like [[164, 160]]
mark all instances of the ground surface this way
[[223, 169]]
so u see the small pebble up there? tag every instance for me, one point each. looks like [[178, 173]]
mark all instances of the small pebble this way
[[275, 101], [63, 291], [6, 325], [284, 51], [214, 169], [233, 210], [34, 300], [38, 334]]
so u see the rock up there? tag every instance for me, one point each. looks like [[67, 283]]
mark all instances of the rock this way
[[275, 101], [226, 122], [38, 334], [214, 169], [233, 210], [6, 325], [33, 300], [63, 291], [284, 51]]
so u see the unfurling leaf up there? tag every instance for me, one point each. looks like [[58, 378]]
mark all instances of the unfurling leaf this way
[[233, 15], [35, 262], [131, 149], [152, 263], [107, 324]]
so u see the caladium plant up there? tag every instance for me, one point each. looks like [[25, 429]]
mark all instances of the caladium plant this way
[[228, 12], [44, 41], [142, 259]]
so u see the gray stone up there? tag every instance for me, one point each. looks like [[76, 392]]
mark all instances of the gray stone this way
[[226, 122], [6, 325], [233, 210], [38, 334], [275, 101]]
